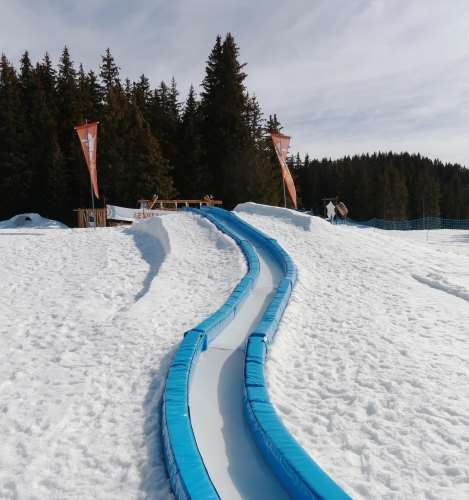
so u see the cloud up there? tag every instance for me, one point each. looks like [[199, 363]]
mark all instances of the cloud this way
[[344, 76]]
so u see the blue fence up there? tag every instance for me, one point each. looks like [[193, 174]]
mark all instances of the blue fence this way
[[425, 223], [186, 470], [300, 475]]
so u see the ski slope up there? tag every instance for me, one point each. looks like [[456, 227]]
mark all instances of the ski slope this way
[[370, 367], [89, 320]]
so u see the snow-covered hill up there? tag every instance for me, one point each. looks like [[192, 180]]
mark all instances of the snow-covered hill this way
[[30, 221], [89, 320], [370, 368]]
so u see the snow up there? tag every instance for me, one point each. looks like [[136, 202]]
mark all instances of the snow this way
[[369, 370], [130, 214], [89, 321], [30, 221], [296, 218]]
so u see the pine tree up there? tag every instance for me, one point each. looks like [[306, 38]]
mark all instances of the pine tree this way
[[15, 175], [273, 125], [47, 76], [109, 74], [189, 174], [111, 161], [74, 176], [142, 96], [89, 96], [274, 186], [147, 171], [260, 178], [165, 120], [28, 112], [220, 145], [50, 180], [226, 141]]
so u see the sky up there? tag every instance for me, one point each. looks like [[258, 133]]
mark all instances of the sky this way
[[343, 76]]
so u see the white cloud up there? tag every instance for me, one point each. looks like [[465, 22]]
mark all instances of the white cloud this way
[[344, 76]]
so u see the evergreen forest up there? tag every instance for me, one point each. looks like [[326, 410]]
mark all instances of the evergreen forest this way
[[211, 141]]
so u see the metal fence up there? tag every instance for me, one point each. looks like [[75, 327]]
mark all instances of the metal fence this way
[[425, 223]]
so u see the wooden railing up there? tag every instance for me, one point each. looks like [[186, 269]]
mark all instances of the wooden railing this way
[[175, 204]]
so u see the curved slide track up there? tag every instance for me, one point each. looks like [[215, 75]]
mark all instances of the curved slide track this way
[[221, 435], [233, 461]]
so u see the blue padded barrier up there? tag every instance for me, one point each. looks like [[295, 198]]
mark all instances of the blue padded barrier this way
[[215, 323], [184, 465], [188, 476], [300, 475], [232, 218]]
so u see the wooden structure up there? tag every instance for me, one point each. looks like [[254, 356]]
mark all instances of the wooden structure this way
[[85, 217], [146, 210], [156, 204], [147, 207]]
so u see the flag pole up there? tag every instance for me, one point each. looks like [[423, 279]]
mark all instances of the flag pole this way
[[92, 203], [284, 196], [93, 210]]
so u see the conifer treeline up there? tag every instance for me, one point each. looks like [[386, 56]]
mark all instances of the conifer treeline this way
[[149, 142], [215, 143], [385, 185]]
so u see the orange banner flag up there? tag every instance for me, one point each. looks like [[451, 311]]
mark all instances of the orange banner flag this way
[[88, 134], [281, 143]]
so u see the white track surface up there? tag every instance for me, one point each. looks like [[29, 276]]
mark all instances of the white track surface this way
[[235, 465]]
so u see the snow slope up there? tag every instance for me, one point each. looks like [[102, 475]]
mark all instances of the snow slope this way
[[89, 320], [441, 240], [370, 367], [30, 221]]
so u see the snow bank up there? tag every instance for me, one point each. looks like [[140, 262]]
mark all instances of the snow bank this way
[[442, 240], [89, 323], [369, 367], [31, 221], [292, 216], [129, 214], [155, 228]]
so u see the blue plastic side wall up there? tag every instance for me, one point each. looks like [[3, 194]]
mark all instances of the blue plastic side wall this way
[[299, 474], [186, 470]]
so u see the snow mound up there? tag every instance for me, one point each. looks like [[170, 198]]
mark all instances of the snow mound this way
[[291, 216], [369, 367], [153, 227], [439, 282], [129, 214], [87, 336], [31, 221]]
